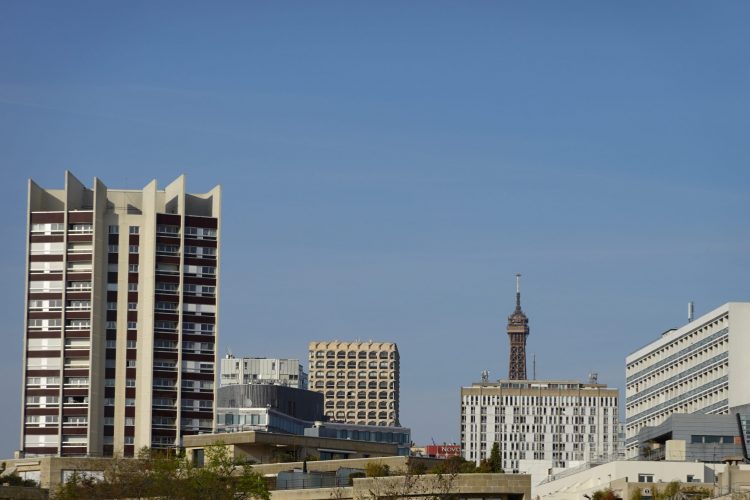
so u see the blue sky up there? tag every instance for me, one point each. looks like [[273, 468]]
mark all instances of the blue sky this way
[[389, 166]]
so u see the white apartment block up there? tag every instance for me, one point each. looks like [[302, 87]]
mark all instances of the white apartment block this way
[[701, 367], [120, 326], [539, 425], [274, 371], [359, 381]]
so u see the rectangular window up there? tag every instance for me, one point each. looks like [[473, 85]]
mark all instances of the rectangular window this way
[[132, 287], [81, 228], [167, 229], [114, 229], [132, 325], [645, 478], [133, 268], [133, 249], [112, 248], [132, 306], [133, 229], [79, 285], [48, 228]]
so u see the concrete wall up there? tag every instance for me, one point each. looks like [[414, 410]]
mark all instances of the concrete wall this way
[[572, 486], [502, 486]]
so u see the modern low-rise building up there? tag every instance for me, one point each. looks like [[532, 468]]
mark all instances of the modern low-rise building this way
[[273, 408], [697, 368], [285, 410], [360, 381], [120, 326], [693, 437], [624, 477], [266, 371]]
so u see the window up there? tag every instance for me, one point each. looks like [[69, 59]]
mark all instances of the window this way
[[112, 248], [133, 249], [111, 325], [645, 478], [132, 325], [133, 229], [167, 229], [114, 229], [132, 287], [131, 344], [132, 306], [81, 228], [41, 267], [130, 363], [48, 228], [133, 268], [79, 304], [167, 249], [78, 285], [111, 306]]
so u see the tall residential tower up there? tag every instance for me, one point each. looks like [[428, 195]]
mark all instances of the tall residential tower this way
[[120, 327]]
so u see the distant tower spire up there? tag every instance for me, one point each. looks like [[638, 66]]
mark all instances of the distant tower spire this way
[[518, 330], [518, 291]]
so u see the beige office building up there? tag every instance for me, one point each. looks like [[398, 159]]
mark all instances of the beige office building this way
[[359, 380], [120, 328]]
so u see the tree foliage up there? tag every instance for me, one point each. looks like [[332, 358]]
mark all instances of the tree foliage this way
[[377, 469], [605, 494], [165, 475]]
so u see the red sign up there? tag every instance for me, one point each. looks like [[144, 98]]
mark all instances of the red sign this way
[[443, 450]]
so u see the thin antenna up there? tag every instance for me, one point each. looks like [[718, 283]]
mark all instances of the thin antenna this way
[[691, 311], [518, 290]]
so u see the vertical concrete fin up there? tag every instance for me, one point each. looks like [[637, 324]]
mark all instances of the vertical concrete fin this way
[[98, 319], [145, 345], [174, 199]]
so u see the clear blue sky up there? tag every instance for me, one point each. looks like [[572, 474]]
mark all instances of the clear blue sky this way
[[388, 166]]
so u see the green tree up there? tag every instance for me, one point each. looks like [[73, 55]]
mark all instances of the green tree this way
[[454, 465], [155, 473], [605, 494], [377, 469], [495, 461]]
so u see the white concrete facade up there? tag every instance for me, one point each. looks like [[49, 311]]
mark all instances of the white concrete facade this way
[[539, 425], [275, 371], [699, 368], [622, 477]]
